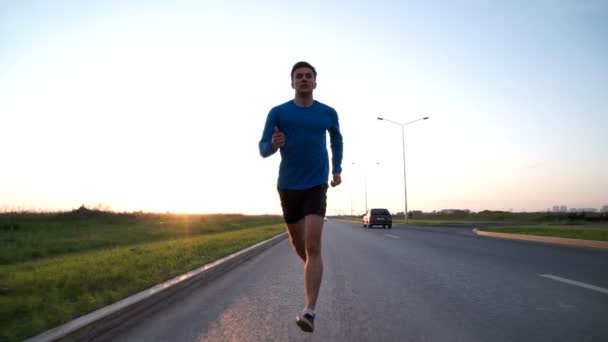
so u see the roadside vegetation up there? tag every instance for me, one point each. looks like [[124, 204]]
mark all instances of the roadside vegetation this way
[[55, 267], [587, 226], [505, 216], [466, 216]]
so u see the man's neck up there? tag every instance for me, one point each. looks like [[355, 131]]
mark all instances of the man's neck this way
[[304, 100]]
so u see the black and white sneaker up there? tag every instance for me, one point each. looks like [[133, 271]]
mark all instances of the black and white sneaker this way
[[306, 322]]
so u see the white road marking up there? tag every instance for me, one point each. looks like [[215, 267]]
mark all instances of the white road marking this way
[[392, 236], [575, 283]]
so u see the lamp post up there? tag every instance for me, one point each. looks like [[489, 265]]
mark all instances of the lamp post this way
[[403, 142], [351, 196], [365, 187]]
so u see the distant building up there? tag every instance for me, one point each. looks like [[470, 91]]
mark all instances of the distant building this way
[[560, 209], [604, 209]]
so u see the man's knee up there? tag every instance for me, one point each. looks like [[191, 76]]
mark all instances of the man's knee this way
[[314, 227], [313, 247]]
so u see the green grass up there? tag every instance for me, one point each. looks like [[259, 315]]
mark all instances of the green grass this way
[[598, 233], [25, 237], [571, 230], [499, 216], [87, 263]]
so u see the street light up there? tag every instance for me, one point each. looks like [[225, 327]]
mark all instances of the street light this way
[[403, 142], [351, 197], [365, 188]]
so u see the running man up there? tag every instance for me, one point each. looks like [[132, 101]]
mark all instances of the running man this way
[[298, 129]]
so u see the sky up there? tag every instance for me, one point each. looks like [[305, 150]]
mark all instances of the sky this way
[[160, 105]]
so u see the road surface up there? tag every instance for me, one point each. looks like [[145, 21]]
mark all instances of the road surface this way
[[400, 284]]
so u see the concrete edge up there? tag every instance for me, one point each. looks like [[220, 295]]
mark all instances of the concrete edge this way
[[100, 321], [545, 239]]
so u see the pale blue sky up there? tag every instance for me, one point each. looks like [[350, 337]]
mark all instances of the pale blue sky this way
[[151, 105]]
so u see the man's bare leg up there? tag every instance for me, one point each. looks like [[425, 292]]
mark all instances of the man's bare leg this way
[[296, 235], [313, 268]]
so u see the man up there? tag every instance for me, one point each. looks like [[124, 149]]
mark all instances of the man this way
[[298, 129]]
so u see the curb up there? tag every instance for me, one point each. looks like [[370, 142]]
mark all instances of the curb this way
[[546, 239], [99, 322]]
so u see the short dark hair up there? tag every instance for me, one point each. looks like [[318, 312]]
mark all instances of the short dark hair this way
[[303, 64]]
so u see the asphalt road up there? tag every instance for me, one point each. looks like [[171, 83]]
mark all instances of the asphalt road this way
[[402, 284]]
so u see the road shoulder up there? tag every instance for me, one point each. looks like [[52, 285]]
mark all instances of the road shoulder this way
[[100, 322], [545, 239]]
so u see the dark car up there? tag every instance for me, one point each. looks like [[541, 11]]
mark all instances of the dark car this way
[[378, 217]]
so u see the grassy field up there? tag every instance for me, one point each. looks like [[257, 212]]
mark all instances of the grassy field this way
[[498, 216], [55, 267], [567, 229]]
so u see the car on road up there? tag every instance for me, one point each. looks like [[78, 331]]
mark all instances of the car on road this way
[[378, 217]]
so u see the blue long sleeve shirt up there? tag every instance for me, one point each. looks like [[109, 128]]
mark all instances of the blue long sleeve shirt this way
[[304, 157]]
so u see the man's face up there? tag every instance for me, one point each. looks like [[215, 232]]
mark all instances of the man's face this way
[[303, 80]]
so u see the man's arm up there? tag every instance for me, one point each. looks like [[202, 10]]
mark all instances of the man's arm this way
[[265, 145], [335, 139]]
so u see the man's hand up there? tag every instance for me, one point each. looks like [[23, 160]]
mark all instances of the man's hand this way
[[336, 181], [278, 138]]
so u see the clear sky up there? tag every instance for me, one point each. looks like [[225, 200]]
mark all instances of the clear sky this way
[[159, 105]]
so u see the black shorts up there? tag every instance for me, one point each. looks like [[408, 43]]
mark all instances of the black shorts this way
[[297, 204]]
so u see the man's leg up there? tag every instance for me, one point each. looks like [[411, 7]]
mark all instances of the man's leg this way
[[314, 205], [296, 235], [313, 269]]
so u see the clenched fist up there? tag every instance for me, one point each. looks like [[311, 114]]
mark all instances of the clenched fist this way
[[336, 180], [278, 138]]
